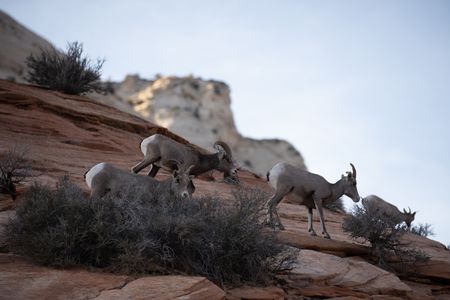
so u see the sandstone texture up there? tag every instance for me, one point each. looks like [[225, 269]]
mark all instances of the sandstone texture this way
[[20, 279], [196, 109], [66, 135], [69, 134]]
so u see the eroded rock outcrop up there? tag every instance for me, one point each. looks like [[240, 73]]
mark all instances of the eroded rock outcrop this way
[[20, 279], [196, 109], [69, 134], [200, 110]]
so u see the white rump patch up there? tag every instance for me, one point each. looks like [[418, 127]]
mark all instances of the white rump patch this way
[[92, 172], [275, 172], [145, 142]]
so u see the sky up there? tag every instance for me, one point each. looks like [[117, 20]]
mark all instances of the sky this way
[[366, 82]]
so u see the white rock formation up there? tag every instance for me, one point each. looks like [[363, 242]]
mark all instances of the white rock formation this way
[[200, 111]]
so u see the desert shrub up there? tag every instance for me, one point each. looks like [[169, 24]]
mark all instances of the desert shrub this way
[[336, 206], [130, 233], [423, 229], [15, 169], [383, 232], [69, 72]]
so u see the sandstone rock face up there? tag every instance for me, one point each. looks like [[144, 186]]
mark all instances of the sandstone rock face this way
[[165, 287], [200, 110], [20, 279], [196, 109], [356, 275], [69, 134], [256, 293], [16, 43]]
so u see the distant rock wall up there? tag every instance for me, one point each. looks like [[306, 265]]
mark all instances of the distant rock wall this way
[[16, 43], [200, 111]]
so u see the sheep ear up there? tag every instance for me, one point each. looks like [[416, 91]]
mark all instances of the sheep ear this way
[[414, 214]]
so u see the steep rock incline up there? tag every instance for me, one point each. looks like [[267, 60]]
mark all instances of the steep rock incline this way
[[16, 43], [69, 134], [199, 110]]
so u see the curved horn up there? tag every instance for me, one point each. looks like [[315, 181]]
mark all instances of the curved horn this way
[[174, 164], [354, 170], [224, 146], [409, 208], [188, 171]]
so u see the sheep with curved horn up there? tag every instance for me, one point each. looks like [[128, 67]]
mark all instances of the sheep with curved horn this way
[[158, 149], [308, 189]]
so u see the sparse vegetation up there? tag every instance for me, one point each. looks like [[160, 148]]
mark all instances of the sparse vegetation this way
[[336, 206], [69, 72], [383, 232], [15, 169], [423, 229], [128, 233]]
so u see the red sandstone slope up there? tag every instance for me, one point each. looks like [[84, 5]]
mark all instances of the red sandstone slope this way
[[68, 134]]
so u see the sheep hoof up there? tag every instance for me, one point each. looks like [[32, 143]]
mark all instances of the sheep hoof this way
[[312, 232], [326, 236], [231, 180]]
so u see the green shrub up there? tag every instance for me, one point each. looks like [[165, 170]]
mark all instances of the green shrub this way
[[137, 233], [69, 71]]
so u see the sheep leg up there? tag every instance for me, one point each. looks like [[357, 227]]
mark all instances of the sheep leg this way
[[272, 208], [153, 171], [310, 223], [137, 168], [318, 203]]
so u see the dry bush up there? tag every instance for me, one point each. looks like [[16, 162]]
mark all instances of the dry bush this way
[[69, 72], [383, 232], [336, 206], [423, 229], [15, 169], [137, 233]]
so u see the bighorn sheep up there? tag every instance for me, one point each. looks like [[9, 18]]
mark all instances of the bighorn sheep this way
[[159, 149], [308, 189], [103, 178], [389, 209]]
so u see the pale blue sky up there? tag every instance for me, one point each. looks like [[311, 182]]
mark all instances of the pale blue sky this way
[[366, 82]]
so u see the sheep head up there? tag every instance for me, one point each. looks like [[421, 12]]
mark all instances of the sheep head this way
[[226, 163], [350, 189], [181, 179], [409, 217]]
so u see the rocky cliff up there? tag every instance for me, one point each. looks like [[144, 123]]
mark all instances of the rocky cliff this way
[[200, 110], [16, 43], [69, 134], [197, 109]]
